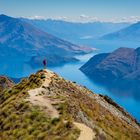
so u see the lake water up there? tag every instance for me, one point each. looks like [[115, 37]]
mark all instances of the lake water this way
[[126, 99]]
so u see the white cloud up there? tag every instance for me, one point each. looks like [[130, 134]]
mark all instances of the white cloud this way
[[134, 18], [85, 18], [62, 18], [36, 17], [131, 19]]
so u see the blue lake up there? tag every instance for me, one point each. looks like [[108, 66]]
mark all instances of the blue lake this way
[[131, 102]]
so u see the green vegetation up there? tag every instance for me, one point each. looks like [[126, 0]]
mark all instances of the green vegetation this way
[[21, 120], [106, 125]]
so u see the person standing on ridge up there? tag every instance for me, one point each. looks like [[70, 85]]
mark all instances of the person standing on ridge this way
[[44, 63]]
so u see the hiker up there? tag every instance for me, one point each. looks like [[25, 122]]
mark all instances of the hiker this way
[[44, 63]]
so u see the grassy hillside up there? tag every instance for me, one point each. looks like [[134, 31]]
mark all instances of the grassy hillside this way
[[25, 120], [20, 120]]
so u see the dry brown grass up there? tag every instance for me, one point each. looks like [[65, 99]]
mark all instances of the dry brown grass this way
[[28, 122], [21, 120], [77, 99]]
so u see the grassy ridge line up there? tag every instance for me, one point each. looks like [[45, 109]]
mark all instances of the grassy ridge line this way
[[21, 120]]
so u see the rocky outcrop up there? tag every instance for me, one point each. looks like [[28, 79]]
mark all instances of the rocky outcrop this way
[[5, 83]]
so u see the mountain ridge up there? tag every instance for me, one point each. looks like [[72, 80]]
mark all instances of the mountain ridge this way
[[14, 21], [25, 41], [130, 33], [76, 31], [30, 105], [120, 64]]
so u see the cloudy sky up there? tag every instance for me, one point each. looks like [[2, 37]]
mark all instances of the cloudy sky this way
[[74, 10]]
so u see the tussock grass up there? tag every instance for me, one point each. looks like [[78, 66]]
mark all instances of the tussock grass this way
[[21, 120], [77, 99]]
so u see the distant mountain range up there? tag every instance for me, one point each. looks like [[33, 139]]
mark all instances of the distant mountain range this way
[[20, 39], [131, 33], [122, 64], [76, 31]]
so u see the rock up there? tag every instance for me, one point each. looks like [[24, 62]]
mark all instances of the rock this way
[[5, 83]]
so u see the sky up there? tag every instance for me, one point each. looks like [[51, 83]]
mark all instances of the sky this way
[[74, 10]]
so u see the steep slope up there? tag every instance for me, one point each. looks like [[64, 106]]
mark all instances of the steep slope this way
[[46, 106], [75, 31], [131, 33], [93, 62], [123, 63]]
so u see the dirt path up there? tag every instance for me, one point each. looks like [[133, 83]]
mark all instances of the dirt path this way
[[40, 100], [86, 132], [37, 99], [43, 102]]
